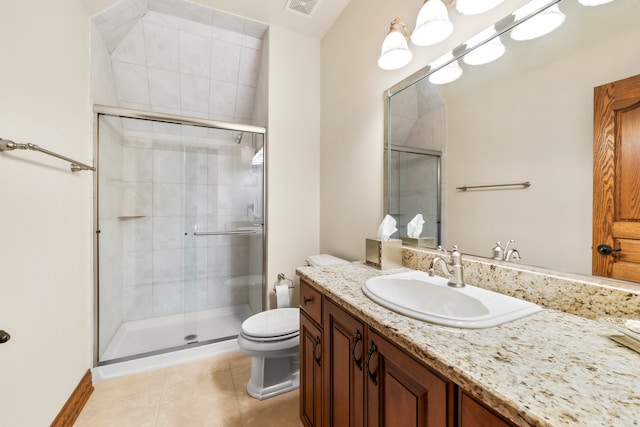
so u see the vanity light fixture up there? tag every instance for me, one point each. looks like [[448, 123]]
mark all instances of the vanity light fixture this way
[[488, 52], [395, 52], [446, 74], [432, 25], [475, 7], [539, 25], [594, 2]]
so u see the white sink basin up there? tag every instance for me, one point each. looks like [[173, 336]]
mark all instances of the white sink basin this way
[[417, 295]]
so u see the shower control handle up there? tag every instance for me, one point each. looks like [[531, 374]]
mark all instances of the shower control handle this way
[[4, 337]]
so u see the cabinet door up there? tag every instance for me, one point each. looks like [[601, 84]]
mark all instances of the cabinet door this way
[[403, 392], [311, 372], [473, 414], [343, 371]]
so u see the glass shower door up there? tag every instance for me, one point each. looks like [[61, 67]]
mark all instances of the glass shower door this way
[[179, 235], [223, 257]]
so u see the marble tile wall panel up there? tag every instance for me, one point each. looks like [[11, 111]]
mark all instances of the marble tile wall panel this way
[[159, 249], [169, 61], [180, 58]]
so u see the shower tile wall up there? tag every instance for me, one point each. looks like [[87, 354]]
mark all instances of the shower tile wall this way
[[181, 66], [168, 270], [182, 58]]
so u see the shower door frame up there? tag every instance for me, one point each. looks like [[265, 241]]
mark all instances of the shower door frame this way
[[128, 113]]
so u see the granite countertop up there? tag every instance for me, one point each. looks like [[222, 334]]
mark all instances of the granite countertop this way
[[550, 368]]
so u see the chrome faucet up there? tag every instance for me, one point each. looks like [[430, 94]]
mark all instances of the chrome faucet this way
[[506, 253], [452, 267]]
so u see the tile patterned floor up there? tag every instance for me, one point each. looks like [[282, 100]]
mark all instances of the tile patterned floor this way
[[207, 393]]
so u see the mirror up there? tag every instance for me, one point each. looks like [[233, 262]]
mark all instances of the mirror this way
[[526, 117]]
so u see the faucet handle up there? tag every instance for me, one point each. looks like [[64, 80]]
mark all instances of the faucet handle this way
[[509, 243], [456, 256]]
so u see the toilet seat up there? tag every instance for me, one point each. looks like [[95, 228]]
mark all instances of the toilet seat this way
[[272, 325]]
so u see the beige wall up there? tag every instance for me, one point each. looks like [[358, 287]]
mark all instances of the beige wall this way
[[352, 114], [45, 216], [293, 140], [558, 205]]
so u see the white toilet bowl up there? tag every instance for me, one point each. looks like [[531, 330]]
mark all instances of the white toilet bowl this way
[[272, 339]]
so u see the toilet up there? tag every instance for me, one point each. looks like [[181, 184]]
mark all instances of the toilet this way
[[272, 339]]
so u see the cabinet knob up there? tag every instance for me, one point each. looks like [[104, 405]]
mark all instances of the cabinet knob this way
[[4, 337], [307, 300]]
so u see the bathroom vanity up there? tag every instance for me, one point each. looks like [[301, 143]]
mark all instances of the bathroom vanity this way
[[362, 364]]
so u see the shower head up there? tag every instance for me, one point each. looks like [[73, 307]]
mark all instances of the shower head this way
[[238, 138]]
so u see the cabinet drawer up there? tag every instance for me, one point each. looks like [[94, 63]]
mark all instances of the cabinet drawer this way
[[311, 301]]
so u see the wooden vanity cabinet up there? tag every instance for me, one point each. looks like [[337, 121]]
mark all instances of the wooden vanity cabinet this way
[[474, 414], [310, 372], [311, 356], [403, 392], [351, 376], [371, 382], [344, 336]]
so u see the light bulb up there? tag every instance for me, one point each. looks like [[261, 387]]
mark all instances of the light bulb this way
[[432, 25], [446, 74], [538, 25], [594, 2], [489, 51], [475, 7], [395, 52]]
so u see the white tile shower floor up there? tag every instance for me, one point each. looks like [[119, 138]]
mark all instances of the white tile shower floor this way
[[148, 335]]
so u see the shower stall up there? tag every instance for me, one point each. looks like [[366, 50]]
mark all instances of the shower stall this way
[[179, 232]]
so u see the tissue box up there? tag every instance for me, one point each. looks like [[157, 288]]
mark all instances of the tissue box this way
[[384, 255], [425, 242]]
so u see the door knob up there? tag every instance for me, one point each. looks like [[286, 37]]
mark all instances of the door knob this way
[[604, 249], [4, 337]]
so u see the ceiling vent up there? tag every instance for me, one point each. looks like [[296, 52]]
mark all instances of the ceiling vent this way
[[301, 7]]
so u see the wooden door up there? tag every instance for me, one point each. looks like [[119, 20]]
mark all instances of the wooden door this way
[[343, 369], [616, 180], [403, 392]]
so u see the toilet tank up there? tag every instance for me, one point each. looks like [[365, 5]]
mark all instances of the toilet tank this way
[[324, 259]]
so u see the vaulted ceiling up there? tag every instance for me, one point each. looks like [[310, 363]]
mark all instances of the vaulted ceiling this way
[[282, 13]]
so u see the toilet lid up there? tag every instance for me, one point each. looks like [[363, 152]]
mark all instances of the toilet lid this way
[[272, 323]]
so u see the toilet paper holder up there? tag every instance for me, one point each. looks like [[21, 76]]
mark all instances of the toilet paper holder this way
[[282, 278]]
